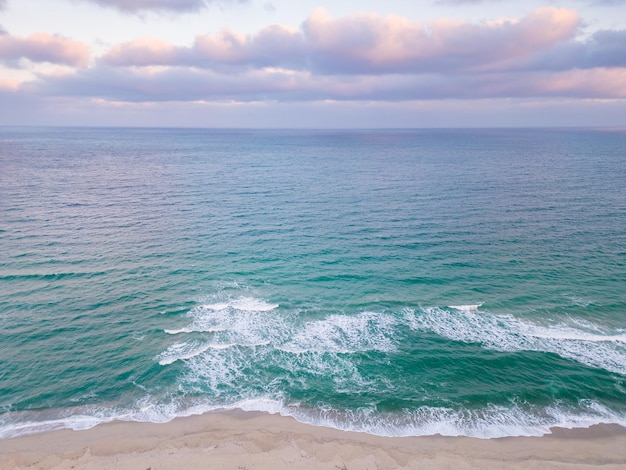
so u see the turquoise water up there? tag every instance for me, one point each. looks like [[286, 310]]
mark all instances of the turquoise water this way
[[410, 282]]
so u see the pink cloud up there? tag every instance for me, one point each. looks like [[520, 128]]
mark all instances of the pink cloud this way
[[393, 43], [143, 52], [42, 47], [597, 82], [272, 46], [224, 47], [363, 43], [9, 85]]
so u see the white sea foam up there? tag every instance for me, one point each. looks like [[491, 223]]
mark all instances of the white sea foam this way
[[487, 422], [179, 351], [467, 308], [366, 331], [184, 351], [589, 345], [246, 304], [192, 330], [76, 423], [224, 316]]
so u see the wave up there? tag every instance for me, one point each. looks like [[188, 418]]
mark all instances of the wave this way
[[367, 331], [241, 354], [245, 304], [245, 320], [192, 329], [466, 308], [225, 315], [335, 333], [578, 340], [183, 351], [490, 421], [76, 423]]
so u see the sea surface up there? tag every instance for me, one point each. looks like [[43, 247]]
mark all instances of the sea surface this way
[[394, 282]]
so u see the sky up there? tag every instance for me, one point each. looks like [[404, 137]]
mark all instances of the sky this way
[[313, 64]]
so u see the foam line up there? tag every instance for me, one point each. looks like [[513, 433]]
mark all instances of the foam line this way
[[467, 308], [487, 422], [604, 350]]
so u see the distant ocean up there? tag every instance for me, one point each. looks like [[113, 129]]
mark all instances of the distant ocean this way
[[394, 282]]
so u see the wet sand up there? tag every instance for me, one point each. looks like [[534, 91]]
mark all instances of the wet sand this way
[[255, 441]]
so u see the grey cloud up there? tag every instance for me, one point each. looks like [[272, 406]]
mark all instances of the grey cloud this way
[[606, 49], [170, 85], [603, 49], [194, 84], [180, 6], [3, 4]]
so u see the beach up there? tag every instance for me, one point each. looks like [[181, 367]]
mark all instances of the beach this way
[[261, 441]]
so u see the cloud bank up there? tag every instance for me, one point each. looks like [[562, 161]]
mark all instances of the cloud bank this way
[[356, 58], [362, 44]]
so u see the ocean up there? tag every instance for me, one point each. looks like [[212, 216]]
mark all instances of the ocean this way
[[394, 282]]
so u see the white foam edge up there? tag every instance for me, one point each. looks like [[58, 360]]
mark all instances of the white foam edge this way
[[75, 423], [373, 423], [201, 349], [442, 421], [466, 308], [245, 304], [193, 330], [505, 332], [580, 336]]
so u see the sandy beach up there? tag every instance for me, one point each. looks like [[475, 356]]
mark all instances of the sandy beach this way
[[259, 441]]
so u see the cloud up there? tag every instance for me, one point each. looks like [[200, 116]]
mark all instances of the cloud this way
[[360, 57], [463, 2], [177, 84], [394, 44], [144, 52], [42, 47], [272, 46], [180, 6], [362, 43], [9, 85], [478, 2], [3, 4], [602, 49]]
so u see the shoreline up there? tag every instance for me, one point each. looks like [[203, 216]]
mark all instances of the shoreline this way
[[254, 440]]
